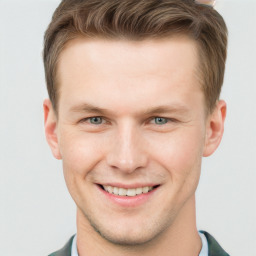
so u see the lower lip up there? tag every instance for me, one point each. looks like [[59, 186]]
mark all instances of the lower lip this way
[[128, 201]]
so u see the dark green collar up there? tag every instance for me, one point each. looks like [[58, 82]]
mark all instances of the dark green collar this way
[[66, 250], [214, 249]]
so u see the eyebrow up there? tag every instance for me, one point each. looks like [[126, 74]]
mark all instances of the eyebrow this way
[[86, 107], [89, 108], [175, 108]]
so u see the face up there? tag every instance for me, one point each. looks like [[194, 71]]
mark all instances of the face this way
[[131, 131]]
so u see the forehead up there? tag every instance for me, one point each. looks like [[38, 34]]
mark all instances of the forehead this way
[[121, 69], [166, 53]]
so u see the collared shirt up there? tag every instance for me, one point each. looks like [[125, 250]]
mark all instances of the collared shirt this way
[[203, 252], [74, 247]]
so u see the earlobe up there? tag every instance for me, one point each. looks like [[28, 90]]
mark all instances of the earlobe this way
[[50, 127], [215, 128]]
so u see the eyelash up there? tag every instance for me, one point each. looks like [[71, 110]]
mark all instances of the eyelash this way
[[85, 120], [168, 120]]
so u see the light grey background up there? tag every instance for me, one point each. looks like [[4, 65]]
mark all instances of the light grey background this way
[[37, 215]]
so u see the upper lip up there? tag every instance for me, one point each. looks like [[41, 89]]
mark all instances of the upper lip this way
[[127, 186]]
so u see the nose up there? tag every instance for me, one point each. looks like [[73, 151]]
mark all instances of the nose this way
[[127, 152]]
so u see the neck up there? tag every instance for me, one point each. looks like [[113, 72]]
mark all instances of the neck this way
[[180, 238]]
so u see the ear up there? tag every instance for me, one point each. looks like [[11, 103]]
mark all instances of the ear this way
[[50, 127], [215, 128]]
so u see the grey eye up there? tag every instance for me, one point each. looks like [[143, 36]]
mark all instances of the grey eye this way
[[161, 120], [95, 120]]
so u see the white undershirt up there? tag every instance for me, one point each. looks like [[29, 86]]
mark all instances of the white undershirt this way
[[74, 247], [203, 252]]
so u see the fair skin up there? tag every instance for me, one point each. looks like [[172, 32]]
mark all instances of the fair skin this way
[[132, 115]]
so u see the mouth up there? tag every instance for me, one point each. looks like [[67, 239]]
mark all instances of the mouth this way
[[127, 192]]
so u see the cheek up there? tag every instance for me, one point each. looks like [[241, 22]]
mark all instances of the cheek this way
[[80, 152], [181, 155], [180, 152]]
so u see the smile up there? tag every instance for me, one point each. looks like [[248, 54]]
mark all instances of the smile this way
[[127, 196], [127, 192]]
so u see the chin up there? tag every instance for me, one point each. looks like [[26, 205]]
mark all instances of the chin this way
[[134, 239], [129, 234]]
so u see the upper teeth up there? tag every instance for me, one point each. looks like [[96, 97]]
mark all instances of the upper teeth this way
[[127, 192]]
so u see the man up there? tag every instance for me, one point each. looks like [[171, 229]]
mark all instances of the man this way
[[134, 105]]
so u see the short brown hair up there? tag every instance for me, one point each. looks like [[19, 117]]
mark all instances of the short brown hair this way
[[139, 20]]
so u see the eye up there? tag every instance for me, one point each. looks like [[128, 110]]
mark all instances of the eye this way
[[160, 120], [95, 120]]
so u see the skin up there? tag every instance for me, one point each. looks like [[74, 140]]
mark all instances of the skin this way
[[128, 84], [209, 2]]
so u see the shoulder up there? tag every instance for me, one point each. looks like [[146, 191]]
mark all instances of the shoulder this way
[[66, 250], [213, 246]]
